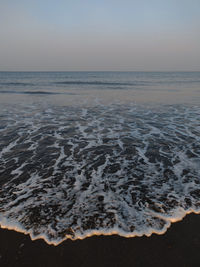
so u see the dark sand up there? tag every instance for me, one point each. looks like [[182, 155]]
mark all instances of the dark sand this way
[[180, 246]]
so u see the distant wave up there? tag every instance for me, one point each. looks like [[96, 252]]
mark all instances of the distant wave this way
[[133, 83], [33, 93], [16, 84], [100, 83], [117, 85], [176, 82]]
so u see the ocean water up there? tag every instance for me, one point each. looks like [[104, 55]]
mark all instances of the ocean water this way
[[88, 153]]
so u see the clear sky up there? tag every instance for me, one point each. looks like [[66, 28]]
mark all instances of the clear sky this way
[[100, 35]]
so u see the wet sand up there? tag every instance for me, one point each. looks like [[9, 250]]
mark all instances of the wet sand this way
[[180, 246]]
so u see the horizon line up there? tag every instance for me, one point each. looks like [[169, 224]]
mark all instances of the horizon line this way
[[99, 71]]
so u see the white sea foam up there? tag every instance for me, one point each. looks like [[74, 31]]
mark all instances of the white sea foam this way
[[77, 172]]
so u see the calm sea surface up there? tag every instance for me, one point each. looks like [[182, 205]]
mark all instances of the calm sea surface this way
[[85, 153]]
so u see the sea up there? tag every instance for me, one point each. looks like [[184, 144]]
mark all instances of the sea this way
[[98, 153]]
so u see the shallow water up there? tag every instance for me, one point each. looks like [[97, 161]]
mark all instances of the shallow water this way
[[82, 159]]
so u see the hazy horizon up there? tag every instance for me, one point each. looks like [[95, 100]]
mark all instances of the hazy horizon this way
[[120, 71], [100, 35]]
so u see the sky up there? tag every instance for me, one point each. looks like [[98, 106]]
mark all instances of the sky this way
[[100, 35]]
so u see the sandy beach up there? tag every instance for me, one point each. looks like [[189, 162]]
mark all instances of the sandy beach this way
[[179, 246]]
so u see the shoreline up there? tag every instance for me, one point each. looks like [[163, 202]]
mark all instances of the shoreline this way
[[116, 231], [179, 246]]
